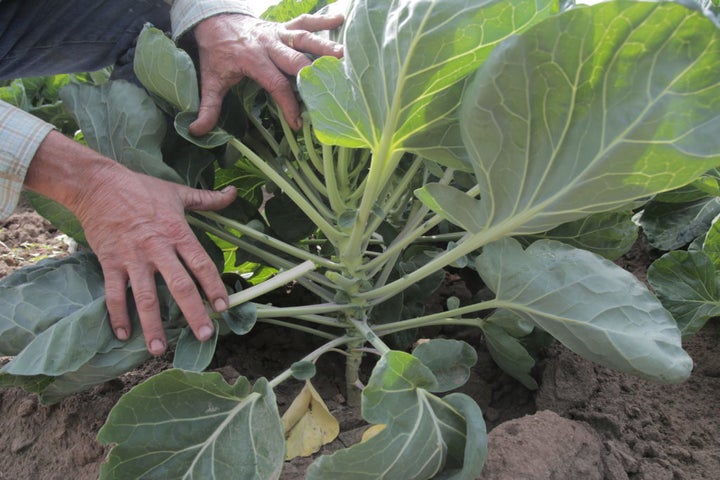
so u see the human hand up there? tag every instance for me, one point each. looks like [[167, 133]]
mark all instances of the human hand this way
[[234, 46], [136, 226]]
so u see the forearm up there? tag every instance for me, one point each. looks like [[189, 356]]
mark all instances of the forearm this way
[[68, 172]]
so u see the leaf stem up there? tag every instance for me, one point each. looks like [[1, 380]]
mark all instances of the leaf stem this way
[[328, 230], [261, 237], [312, 357], [279, 280]]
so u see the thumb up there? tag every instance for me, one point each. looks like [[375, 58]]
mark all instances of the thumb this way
[[211, 101], [199, 199]]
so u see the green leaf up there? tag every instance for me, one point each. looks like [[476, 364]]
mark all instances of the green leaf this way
[[509, 354], [425, 437], [194, 425], [62, 218], [166, 70], [35, 299], [193, 355], [591, 109], [287, 219], [609, 234], [453, 205], [687, 284], [669, 226], [241, 318], [303, 370], [101, 368], [449, 360], [119, 120], [399, 83], [588, 303], [214, 138], [711, 243]]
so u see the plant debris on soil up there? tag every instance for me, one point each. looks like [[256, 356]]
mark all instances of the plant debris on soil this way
[[585, 422]]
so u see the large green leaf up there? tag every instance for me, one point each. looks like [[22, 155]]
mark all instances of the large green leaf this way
[[194, 425], [591, 109], [37, 299], [588, 303], [687, 284], [425, 436], [166, 70], [398, 87], [120, 121]]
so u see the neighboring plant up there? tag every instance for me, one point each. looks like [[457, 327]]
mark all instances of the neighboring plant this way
[[454, 134]]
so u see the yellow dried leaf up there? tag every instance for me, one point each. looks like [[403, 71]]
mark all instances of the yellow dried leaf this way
[[308, 424]]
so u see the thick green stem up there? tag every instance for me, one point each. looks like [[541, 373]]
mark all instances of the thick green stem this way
[[353, 385], [279, 280]]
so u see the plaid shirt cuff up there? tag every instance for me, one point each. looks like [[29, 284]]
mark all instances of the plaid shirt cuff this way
[[20, 136], [185, 14]]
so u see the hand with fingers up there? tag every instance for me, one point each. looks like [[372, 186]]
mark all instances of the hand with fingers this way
[[136, 226], [234, 46]]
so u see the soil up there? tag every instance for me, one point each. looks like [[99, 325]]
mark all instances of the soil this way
[[585, 421]]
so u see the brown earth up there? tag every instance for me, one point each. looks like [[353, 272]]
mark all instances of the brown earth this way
[[585, 421]]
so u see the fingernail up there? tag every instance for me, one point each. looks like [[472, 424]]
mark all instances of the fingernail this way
[[157, 346], [227, 189], [121, 334], [205, 333], [220, 305], [298, 122]]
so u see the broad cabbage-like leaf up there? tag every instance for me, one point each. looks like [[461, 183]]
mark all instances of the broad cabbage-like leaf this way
[[425, 436], [189, 425], [687, 284], [591, 109], [669, 226], [398, 87], [595, 308], [166, 70]]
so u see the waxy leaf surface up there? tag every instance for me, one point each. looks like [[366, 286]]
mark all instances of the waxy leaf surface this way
[[591, 109], [192, 425], [425, 437], [588, 303], [399, 85]]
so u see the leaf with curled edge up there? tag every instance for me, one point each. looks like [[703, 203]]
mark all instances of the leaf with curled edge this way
[[425, 436], [591, 305]]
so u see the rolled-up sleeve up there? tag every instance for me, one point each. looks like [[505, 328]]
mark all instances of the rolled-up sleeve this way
[[185, 14], [20, 136]]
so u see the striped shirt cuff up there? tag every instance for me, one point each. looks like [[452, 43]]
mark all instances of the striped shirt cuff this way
[[20, 136], [185, 14]]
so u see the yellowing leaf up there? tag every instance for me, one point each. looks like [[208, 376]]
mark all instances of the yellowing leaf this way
[[308, 424], [372, 431]]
